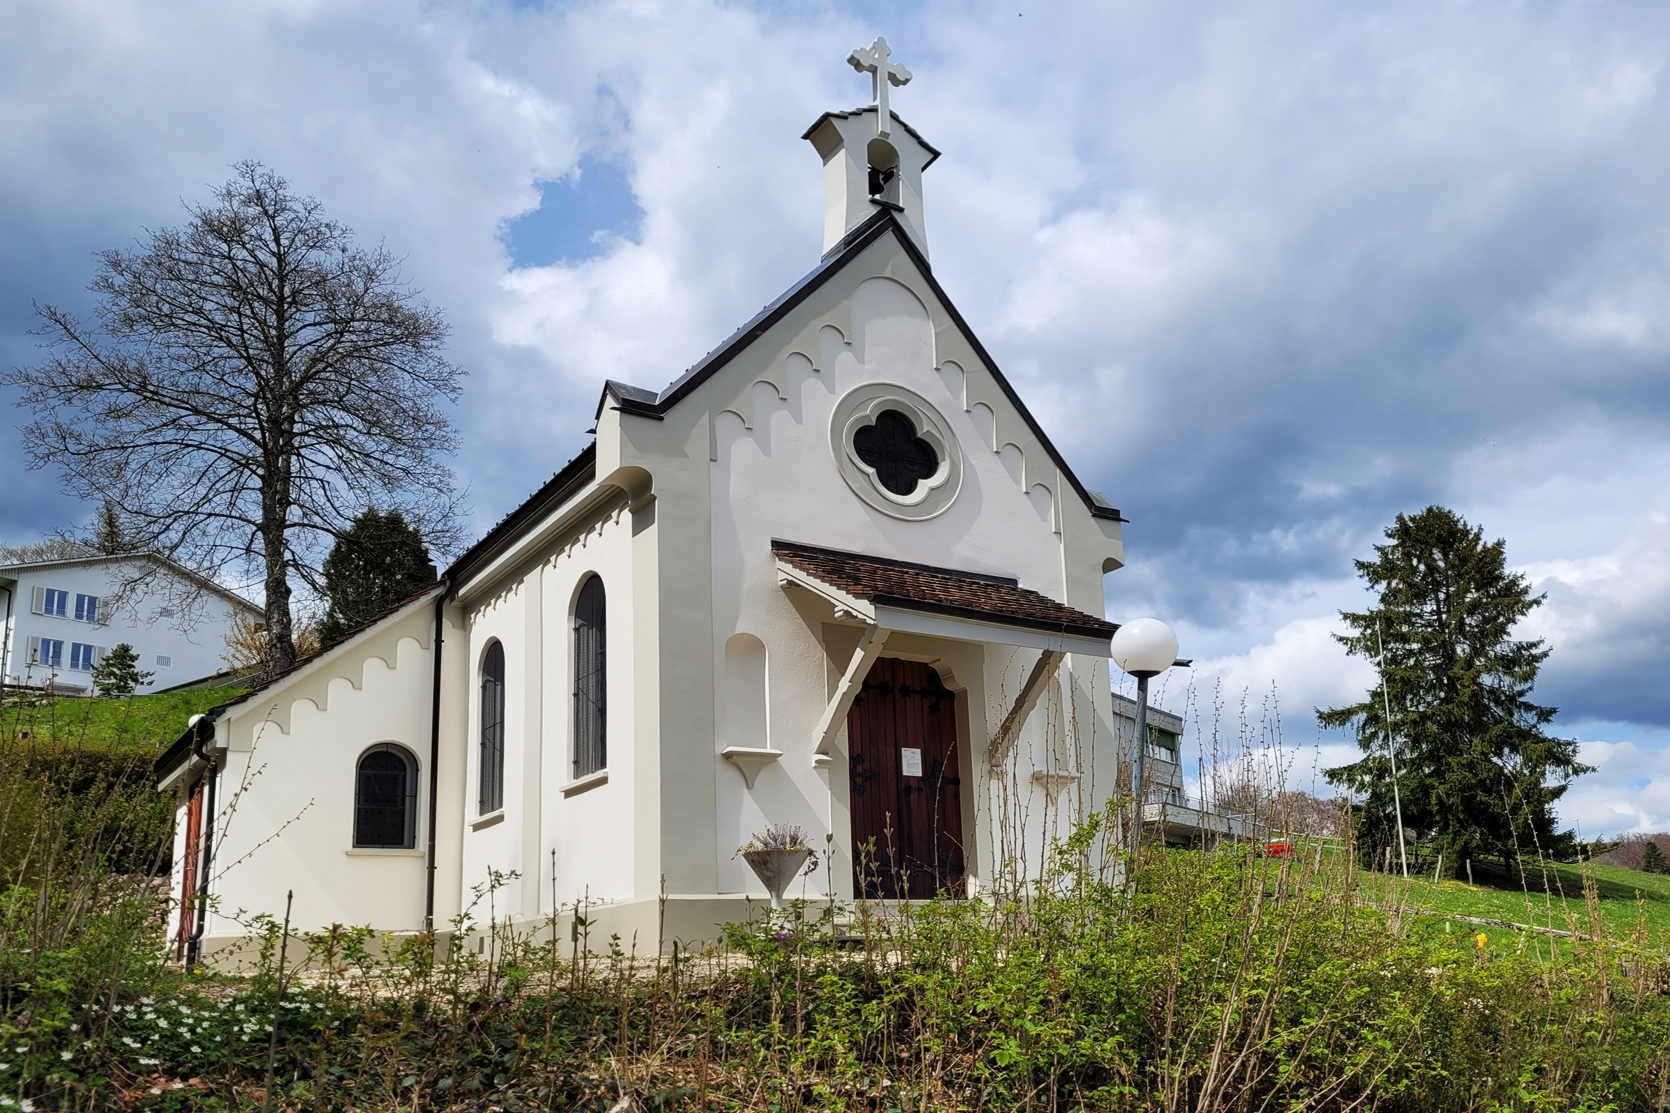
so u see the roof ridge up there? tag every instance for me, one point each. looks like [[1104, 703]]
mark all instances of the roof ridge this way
[[630, 399]]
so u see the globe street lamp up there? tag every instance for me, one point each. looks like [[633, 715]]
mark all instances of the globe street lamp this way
[[1144, 648]]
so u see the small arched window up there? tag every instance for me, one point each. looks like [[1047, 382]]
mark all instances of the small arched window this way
[[492, 729], [590, 680], [385, 798]]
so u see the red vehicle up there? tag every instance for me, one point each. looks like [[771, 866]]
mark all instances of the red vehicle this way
[[1279, 849]]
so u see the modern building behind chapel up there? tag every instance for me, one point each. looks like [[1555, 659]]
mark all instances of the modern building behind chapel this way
[[835, 575]]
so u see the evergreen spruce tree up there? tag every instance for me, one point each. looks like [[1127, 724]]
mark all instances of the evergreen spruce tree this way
[[119, 673], [109, 537], [377, 562], [1477, 772], [1653, 859]]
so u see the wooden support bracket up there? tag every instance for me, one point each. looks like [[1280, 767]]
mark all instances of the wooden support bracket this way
[[834, 716], [1043, 671]]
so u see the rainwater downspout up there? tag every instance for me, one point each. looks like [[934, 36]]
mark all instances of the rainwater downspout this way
[[194, 945], [434, 766], [6, 638]]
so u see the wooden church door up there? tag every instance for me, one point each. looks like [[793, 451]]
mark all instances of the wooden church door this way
[[906, 792]]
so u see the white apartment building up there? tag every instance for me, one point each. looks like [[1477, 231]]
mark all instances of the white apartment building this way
[[61, 619]]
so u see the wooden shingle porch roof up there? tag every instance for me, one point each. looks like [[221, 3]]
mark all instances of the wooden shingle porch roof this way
[[904, 585]]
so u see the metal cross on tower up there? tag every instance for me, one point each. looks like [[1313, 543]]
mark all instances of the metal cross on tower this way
[[872, 60]]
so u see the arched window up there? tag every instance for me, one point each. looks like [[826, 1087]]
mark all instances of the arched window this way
[[590, 681], [385, 798], [492, 729]]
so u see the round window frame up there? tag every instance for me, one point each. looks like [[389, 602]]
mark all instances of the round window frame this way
[[860, 407]]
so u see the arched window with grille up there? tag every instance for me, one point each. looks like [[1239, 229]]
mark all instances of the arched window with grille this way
[[385, 798], [590, 680], [492, 730]]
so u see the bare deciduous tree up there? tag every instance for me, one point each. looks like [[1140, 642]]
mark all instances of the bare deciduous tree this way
[[255, 380]]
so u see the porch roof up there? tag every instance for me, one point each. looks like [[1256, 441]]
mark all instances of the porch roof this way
[[879, 589]]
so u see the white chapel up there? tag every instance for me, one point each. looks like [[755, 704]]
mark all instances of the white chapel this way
[[835, 575]]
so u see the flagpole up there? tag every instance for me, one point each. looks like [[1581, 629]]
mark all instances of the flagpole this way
[[1391, 748]]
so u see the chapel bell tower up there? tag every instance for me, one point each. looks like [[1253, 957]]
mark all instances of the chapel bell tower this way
[[871, 157]]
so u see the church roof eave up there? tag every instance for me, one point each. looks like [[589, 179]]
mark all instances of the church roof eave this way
[[933, 151], [180, 751], [650, 404], [886, 582], [570, 478]]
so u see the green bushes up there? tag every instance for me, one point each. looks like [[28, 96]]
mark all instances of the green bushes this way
[[1203, 980], [67, 810], [1222, 980]]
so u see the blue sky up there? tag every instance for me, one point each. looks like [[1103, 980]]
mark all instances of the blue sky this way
[[1267, 274]]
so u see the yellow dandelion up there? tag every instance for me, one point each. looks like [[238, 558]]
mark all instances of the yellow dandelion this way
[[1481, 939]]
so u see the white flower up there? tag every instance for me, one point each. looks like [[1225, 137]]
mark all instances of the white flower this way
[[148, 1062], [195, 1050], [23, 1049], [130, 1041], [147, 1000], [6, 1102], [66, 1055]]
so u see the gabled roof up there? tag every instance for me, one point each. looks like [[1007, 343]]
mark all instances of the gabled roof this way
[[932, 150], [570, 478], [951, 591], [174, 566], [177, 753], [646, 403]]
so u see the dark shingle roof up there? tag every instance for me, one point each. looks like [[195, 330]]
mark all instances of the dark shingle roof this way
[[559, 489], [923, 587]]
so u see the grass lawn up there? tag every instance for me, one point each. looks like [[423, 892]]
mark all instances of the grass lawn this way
[[138, 722], [1628, 901]]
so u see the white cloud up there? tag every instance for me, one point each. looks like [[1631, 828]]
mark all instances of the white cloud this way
[[1607, 620], [1630, 788], [1301, 663]]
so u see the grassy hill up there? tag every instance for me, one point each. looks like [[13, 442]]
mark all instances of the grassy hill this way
[[77, 796], [138, 722], [1626, 903]]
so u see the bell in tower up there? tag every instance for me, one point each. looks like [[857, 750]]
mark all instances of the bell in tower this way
[[871, 157]]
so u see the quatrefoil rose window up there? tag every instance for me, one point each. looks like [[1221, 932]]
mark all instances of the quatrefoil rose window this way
[[896, 451], [902, 459]]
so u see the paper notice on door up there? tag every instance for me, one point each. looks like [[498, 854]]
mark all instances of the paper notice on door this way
[[910, 762]]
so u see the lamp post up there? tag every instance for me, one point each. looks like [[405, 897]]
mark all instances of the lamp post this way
[[1144, 649]]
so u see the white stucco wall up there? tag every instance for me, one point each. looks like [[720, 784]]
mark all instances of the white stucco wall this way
[[591, 831], [773, 476], [284, 808]]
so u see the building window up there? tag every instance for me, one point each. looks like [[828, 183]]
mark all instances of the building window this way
[[86, 608], [900, 457], [492, 729], [47, 652], [385, 798], [51, 601], [164, 661], [590, 680], [81, 656]]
